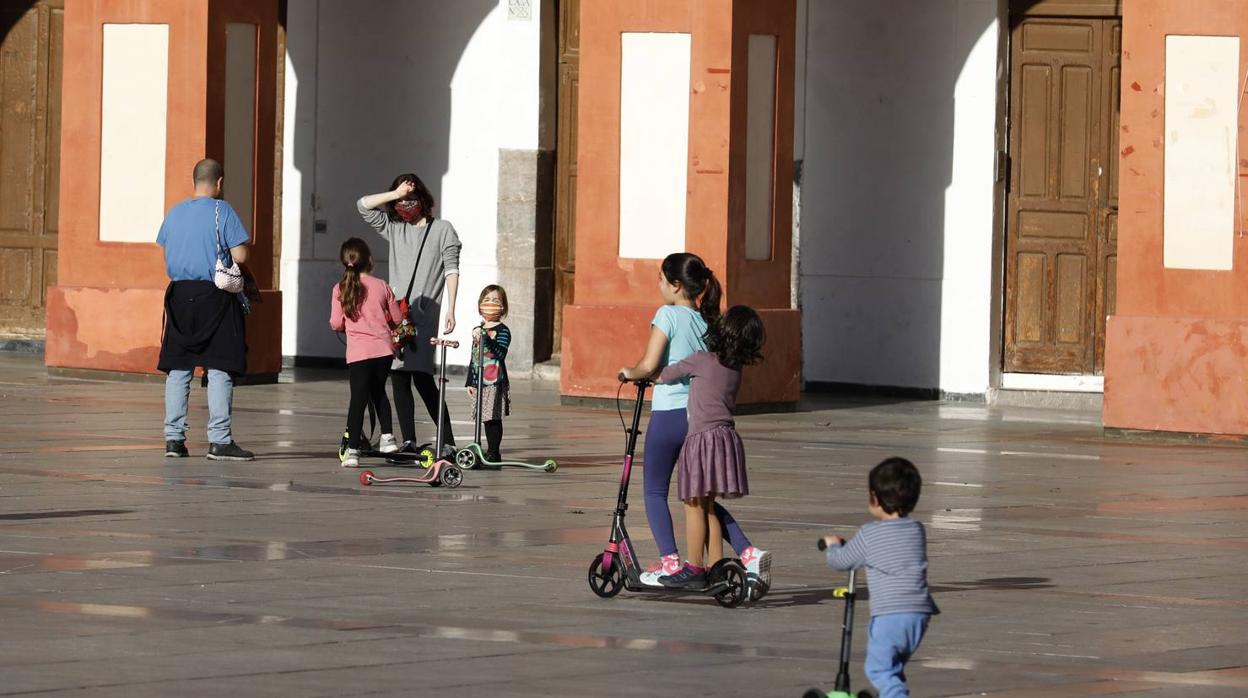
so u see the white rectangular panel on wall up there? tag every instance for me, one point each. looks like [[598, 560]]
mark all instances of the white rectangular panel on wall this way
[[760, 146], [240, 120], [654, 143], [1202, 81], [133, 116]]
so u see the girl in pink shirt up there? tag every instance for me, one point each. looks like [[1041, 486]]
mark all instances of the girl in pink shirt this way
[[364, 307]]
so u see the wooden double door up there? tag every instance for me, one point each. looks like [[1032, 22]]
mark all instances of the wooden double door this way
[[31, 46], [1062, 226]]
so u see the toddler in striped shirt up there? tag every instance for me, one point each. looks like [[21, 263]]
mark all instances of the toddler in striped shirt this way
[[893, 549]]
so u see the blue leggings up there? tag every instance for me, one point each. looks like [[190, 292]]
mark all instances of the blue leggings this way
[[664, 437]]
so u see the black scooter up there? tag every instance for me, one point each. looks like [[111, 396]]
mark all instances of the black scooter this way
[[842, 689], [617, 567]]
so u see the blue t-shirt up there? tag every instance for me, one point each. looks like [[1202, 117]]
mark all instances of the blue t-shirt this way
[[190, 239], [686, 334]]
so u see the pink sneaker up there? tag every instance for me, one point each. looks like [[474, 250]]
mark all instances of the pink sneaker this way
[[668, 564]]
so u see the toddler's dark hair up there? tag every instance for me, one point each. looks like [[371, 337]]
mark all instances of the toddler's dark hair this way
[[896, 483], [737, 337]]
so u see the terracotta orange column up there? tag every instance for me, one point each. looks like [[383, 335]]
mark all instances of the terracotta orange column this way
[[616, 294], [105, 312], [1177, 349]]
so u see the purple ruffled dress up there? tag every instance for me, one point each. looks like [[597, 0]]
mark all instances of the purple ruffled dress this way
[[712, 461]]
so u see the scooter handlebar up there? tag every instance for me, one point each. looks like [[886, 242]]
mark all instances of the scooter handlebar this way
[[821, 544], [644, 382], [439, 342]]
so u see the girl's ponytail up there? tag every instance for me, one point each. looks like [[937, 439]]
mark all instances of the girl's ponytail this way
[[697, 281], [356, 259], [708, 306]]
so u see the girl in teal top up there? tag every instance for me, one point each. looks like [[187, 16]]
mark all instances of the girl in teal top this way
[[691, 296]]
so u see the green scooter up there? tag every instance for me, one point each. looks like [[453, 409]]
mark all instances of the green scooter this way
[[472, 455], [847, 633]]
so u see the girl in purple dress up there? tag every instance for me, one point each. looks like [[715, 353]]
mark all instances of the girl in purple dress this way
[[712, 460]]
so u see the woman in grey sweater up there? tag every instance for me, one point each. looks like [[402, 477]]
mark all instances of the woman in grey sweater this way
[[424, 256]]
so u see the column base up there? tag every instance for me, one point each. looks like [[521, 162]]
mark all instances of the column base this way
[[118, 330], [599, 339], [1186, 375]]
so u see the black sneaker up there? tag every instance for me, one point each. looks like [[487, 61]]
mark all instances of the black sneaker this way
[[176, 449], [492, 460], [230, 451], [686, 578]]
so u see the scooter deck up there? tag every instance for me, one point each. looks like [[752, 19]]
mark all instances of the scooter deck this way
[[369, 478], [474, 450], [710, 590]]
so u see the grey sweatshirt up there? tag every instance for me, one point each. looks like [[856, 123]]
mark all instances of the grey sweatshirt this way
[[439, 259], [894, 551]]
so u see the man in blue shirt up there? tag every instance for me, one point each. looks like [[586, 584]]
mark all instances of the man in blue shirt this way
[[204, 325]]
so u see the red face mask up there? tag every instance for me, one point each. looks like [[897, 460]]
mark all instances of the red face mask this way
[[409, 210]]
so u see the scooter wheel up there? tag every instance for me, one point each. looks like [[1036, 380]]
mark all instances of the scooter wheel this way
[[732, 573], [758, 589], [426, 458], [466, 459], [606, 583], [366, 478], [551, 466], [451, 476], [814, 693]]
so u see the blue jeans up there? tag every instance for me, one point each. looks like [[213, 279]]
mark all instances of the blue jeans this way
[[891, 639], [664, 437], [220, 401]]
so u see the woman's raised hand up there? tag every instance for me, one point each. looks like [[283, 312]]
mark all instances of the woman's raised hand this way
[[405, 187]]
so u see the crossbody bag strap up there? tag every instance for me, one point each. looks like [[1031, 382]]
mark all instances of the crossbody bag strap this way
[[216, 226], [411, 283]]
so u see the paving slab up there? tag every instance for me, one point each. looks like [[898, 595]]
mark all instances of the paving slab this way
[[1065, 563]]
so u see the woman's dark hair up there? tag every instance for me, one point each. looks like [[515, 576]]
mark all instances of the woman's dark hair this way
[[356, 259], [697, 282], [896, 483], [421, 193], [737, 337], [502, 297]]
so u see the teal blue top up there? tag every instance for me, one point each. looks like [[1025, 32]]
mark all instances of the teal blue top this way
[[686, 334]]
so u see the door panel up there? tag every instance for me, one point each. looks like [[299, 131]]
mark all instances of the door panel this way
[[1107, 270], [30, 128], [1058, 197], [565, 161]]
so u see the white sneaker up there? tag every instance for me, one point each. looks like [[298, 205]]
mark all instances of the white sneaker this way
[[668, 564], [388, 444], [757, 564], [351, 459]]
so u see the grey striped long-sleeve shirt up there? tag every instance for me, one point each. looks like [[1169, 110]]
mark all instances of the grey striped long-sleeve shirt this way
[[894, 551]]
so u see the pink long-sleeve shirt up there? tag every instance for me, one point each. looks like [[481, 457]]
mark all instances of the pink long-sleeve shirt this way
[[368, 336]]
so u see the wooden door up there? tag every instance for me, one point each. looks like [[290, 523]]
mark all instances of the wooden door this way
[[30, 157], [1062, 222], [565, 161]]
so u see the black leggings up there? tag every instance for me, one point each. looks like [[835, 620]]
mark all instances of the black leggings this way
[[493, 436], [406, 406], [368, 384]]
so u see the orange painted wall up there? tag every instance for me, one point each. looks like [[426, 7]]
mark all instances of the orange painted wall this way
[[616, 298], [105, 311], [1177, 349]]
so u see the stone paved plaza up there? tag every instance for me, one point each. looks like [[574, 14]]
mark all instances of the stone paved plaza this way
[[1066, 564]]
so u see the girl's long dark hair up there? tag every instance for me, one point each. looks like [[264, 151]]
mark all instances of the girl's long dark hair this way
[[356, 259], [697, 281], [421, 193], [737, 338]]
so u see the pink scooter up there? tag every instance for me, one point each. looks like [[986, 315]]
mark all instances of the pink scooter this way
[[442, 472]]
